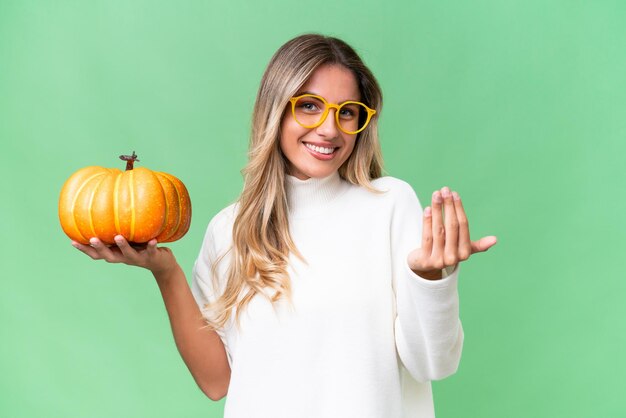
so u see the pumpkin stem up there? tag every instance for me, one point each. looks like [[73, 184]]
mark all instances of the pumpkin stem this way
[[130, 160]]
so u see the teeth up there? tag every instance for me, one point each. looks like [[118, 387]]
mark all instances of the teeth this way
[[321, 150]]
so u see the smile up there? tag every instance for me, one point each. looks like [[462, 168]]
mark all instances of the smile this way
[[321, 150]]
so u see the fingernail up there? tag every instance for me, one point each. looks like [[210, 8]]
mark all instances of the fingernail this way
[[74, 244], [437, 197], [93, 242], [427, 211], [456, 196], [445, 192], [118, 238]]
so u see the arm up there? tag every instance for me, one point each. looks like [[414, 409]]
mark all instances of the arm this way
[[202, 350], [428, 297], [429, 335]]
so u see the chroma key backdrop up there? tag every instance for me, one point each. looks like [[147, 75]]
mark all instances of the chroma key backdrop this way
[[517, 105]]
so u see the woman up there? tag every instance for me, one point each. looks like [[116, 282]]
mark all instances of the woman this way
[[325, 290]]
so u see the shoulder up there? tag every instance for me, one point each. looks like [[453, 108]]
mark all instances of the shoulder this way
[[224, 219], [398, 195], [218, 234], [392, 184], [395, 189]]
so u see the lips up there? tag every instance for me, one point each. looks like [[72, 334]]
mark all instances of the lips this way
[[321, 153], [321, 148]]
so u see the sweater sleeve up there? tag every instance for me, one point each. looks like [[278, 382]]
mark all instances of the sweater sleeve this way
[[428, 331], [204, 287]]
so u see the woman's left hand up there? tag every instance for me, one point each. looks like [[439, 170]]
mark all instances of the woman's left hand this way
[[445, 243]]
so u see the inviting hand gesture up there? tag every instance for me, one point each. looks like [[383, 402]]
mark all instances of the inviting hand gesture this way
[[445, 243]]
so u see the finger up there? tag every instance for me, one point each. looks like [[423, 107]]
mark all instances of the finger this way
[[103, 251], [127, 251], [465, 245], [450, 251], [415, 259], [484, 244], [438, 231], [91, 252], [152, 247], [427, 232]]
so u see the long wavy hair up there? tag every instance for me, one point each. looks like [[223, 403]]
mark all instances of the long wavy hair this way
[[261, 241]]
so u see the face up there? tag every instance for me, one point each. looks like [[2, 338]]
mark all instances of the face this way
[[301, 146]]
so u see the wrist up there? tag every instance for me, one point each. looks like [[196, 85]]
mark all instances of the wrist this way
[[165, 274], [430, 274]]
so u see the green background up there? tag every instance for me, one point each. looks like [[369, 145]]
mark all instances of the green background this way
[[518, 105]]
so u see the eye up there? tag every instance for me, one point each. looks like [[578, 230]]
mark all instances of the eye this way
[[309, 106], [348, 112]]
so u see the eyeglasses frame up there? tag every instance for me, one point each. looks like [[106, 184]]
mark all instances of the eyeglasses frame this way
[[328, 106]]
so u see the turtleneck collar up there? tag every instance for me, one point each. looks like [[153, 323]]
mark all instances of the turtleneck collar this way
[[306, 197]]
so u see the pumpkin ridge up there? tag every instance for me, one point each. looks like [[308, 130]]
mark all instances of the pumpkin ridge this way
[[164, 177], [167, 207], [180, 205], [183, 222], [116, 203], [132, 205], [75, 198], [90, 208]]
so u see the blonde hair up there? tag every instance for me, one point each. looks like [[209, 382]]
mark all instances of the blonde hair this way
[[261, 238]]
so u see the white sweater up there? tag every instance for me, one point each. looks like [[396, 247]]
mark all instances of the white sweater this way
[[365, 336]]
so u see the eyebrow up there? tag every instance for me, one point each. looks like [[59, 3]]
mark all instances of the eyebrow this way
[[317, 94]]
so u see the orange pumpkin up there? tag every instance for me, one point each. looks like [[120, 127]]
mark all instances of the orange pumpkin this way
[[138, 203]]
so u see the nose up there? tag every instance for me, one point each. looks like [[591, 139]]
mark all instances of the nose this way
[[328, 128]]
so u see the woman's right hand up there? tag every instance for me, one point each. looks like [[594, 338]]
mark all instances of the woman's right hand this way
[[159, 260]]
